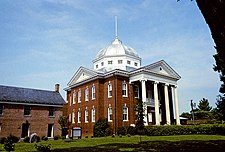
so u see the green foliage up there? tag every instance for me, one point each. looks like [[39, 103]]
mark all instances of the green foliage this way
[[64, 123], [108, 132], [44, 138], [100, 128], [12, 138], [204, 105], [220, 109], [57, 137], [131, 130], [43, 148], [209, 129], [26, 139], [140, 115], [186, 115], [121, 131], [9, 146], [3, 140]]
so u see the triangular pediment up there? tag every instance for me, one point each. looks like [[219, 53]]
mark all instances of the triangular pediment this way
[[162, 68], [81, 75]]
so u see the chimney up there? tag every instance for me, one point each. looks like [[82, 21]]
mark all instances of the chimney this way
[[56, 87]]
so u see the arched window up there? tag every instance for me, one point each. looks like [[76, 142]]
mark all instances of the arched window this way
[[124, 89], [125, 113], [86, 115], [93, 92], [93, 114], [110, 114], [110, 89]]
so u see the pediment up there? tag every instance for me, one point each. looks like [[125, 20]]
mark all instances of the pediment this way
[[162, 68], [81, 75]]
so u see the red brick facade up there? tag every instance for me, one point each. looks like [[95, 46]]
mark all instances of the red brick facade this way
[[101, 103], [13, 118]]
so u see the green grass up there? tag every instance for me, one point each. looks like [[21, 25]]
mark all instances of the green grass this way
[[148, 143]]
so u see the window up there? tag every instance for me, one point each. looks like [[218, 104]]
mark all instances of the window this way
[[51, 111], [125, 113], [124, 89], [86, 94], [136, 91], [110, 62], [93, 114], [74, 97], [135, 64], [70, 99], [79, 96], [110, 89], [102, 64], [86, 115], [128, 62], [1, 109], [27, 110], [79, 117], [50, 130], [96, 66], [93, 92], [110, 114], [73, 117], [120, 61]]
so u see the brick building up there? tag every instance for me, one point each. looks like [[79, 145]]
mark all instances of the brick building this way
[[25, 111], [111, 88]]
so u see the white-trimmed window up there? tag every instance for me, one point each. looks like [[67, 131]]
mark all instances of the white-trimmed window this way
[[102, 63], [124, 89], [135, 64], [73, 117], [79, 116], [86, 115], [86, 94], [136, 91], [110, 89], [93, 115], [74, 97], [93, 92], [110, 114], [128, 62], [96, 66], [125, 113], [79, 96]]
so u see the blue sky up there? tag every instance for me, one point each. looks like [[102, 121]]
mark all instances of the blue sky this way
[[44, 42]]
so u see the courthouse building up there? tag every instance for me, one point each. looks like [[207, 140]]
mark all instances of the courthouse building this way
[[110, 90]]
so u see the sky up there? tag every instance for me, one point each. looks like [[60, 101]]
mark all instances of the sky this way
[[44, 42]]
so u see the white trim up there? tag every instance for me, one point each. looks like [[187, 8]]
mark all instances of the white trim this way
[[79, 96], [93, 92], [86, 115], [125, 107], [110, 113], [93, 114], [109, 90], [124, 89]]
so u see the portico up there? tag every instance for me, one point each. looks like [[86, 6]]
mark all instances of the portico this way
[[158, 92]]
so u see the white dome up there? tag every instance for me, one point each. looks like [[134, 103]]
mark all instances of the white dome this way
[[115, 49]]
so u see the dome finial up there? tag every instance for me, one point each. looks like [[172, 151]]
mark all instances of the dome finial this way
[[116, 27]]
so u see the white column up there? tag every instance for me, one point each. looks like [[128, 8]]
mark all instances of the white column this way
[[168, 122], [176, 105], [143, 87], [156, 101]]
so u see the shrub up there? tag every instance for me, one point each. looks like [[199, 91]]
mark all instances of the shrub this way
[[9, 146], [121, 131], [26, 139], [44, 138], [57, 137], [43, 148], [108, 132], [3, 140], [131, 130], [38, 139], [100, 128], [12, 138]]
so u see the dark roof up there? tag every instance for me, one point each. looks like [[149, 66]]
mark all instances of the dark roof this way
[[26, 95]]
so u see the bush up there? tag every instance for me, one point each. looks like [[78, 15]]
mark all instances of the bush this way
[[26, 139], [108, 132], [44, 138], [100, 128], [57, 137], [38, 139], [131, 130], [3, 140], [12, 138], [121, 131], [43, 148], [9, 146]]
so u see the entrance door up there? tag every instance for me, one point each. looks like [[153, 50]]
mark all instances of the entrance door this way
[[25, 130], [50, 130]]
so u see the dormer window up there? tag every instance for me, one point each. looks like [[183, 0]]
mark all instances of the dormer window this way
[[135, 64], [102, 64], [110, 62], [96, 66], [128, 62], [120, 61]]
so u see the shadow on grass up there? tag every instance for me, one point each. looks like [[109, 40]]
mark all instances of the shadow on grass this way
[[162, 146]]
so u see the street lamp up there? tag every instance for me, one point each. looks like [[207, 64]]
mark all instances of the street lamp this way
[[192, 109]]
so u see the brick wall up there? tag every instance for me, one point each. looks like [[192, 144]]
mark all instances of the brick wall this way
[[13, 117]]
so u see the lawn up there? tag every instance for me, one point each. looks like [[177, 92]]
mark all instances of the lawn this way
[[148, 143]]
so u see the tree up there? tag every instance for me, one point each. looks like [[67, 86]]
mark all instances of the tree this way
[[204, 105], [186, 115], [64, 124], [140, 117], [220, 107], [100, 128]]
